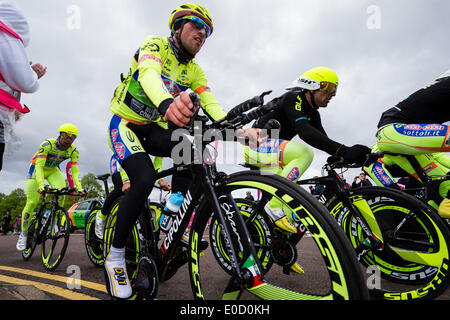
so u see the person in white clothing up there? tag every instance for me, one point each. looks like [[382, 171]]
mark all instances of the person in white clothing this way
[[17, 73]]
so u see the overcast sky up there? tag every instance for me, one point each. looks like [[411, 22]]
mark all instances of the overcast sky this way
[[381, 50]]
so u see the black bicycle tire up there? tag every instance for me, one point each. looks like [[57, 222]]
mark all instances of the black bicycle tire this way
[[89, 233], [53, 266], [436, 284], [26, 255], [350, 270]]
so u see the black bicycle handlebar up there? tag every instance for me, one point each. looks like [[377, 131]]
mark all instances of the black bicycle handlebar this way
[[235, 118], [246, 105], [63, 191], [340, 162]]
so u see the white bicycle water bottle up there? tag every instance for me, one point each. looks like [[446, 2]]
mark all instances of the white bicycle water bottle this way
[[173, 204], [45, 217]]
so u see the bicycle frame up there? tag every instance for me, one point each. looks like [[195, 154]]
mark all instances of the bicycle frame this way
[[357, 207], [204, 177]]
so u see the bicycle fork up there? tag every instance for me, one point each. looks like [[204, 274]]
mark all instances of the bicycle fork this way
[[243, 257], [361, 211]]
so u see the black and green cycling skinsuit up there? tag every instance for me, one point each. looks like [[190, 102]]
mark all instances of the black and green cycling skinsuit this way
[[280, 154], [137, 127], [415, 127]]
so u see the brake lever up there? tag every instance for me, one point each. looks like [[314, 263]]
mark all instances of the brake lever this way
[[195, 98]]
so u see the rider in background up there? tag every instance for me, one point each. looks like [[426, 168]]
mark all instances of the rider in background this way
[[121, 186], [415, 127], [148, 106], [298, 114], [45, 166], [17, 74]]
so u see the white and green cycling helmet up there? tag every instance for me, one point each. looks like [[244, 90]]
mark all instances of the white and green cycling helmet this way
[[320, 78], [444, 75]]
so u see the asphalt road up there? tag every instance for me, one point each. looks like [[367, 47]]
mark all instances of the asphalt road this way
[[28, 280], [75, 264]]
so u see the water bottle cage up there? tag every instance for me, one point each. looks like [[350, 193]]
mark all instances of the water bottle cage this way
[[170, 213]]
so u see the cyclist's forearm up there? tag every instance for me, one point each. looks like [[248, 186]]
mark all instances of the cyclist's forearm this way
[[76, 176], [39, 169], [154, 88], [317, 139]]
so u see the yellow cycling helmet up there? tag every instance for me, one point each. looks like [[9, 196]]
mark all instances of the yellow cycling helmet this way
[[321, 78], [69, 128], [192, 11]]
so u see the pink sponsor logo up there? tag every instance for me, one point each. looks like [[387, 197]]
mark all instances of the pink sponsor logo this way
[[114, 134], [150, 57], [120, 150], [433, 127], [413, 127], [381, 174], [113, 165]]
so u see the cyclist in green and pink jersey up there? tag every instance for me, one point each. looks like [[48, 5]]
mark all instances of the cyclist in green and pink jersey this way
[[149, 104], [45, 166]]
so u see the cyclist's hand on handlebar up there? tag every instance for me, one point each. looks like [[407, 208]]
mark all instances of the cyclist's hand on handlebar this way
[[354, 154], [251, 136], [180, 110], [166, 186], [126, 186]]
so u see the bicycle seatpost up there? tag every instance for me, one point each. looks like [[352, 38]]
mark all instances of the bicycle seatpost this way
[[104, 178]]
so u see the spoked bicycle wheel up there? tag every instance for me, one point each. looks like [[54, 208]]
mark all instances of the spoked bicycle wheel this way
[[259, 227], [414, 261], [55, 238], [333, 271], [31, 239], [94, 245]]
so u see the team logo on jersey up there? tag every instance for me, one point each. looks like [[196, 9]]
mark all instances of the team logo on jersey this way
[[120, 149], [298, 104], [129, 135], [422, 130], [293, 174], [270, 146], [381, 174], [153, 47]]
